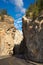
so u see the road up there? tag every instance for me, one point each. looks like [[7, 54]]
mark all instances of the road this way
[[15, 61]]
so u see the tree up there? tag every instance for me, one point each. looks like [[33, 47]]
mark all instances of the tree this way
[[3, 12], [40, 4], [35, 9]]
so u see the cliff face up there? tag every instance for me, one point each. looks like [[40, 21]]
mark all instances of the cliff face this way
[[9, 35], [33, 37]]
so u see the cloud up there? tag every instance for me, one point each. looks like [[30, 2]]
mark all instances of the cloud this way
[[23, 10], [18, 15], [18, 23], [19, 20], [19, 4]]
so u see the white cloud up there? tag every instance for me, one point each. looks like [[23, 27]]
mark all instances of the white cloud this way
[[19, 4], [19, 20], [18, 15], [18, 23], [23, 10]]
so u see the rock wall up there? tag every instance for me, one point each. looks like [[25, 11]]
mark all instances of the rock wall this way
[[33, 37], [9, 35]]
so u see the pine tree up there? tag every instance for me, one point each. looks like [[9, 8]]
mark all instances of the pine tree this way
[[35, 8], [40, 4]]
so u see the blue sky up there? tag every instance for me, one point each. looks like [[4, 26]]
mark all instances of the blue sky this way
[[16, 8]]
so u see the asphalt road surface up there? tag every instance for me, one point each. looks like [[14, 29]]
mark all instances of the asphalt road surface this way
[[16, 61]]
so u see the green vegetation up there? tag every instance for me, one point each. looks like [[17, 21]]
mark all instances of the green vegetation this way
[[34, 9], [3, 12], [40, 4]]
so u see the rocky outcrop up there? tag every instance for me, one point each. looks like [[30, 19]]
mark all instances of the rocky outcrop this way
[[33, 37], [9, 35]]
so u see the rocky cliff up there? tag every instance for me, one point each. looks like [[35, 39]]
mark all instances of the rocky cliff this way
[[9, 35], [33, 37]]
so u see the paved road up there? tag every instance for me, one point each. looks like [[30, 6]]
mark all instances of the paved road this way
[[16, 61]]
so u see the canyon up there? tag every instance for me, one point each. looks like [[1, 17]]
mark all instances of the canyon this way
[[29, 44]]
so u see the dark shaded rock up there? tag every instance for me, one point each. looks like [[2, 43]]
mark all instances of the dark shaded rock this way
[[33, 37]]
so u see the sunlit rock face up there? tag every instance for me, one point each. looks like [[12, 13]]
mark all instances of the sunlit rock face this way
[[33, 37], [9, 35]]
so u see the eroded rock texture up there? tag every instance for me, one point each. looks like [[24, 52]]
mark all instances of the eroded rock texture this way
[[9, 35], [33, 37]]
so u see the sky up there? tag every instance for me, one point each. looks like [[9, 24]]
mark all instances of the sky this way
[[16, 9]]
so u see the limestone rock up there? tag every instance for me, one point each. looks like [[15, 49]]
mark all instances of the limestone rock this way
[[9, 36], [18, 37]]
